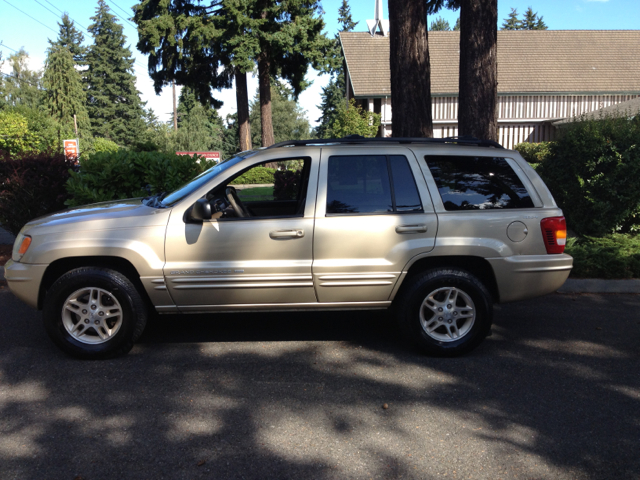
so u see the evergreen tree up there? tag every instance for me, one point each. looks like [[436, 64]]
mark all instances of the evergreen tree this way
[[289, 119], [456, 27], [512, 22], [200, 128], [203, 46], [334, 94], [113, 102], [440, 25], [21, 87], [71, 38], [65, 96], [532, 21]]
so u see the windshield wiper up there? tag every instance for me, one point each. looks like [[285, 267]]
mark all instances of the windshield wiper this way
[[155, 201]]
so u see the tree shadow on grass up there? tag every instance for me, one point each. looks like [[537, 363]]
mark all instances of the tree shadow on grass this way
[[554, 393]]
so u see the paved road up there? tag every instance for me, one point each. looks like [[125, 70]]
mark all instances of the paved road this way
[[553, 394]]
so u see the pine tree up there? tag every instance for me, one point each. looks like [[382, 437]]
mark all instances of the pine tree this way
[[65, 96], [512, 22], [456, 27], [113, 102], [532, 21], [334, 94], [440, 25], [71, 38]]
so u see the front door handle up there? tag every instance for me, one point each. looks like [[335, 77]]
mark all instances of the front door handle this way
[[411, 228], [279, 234]]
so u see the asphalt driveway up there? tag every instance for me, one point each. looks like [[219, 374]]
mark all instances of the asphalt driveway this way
[[554, 393]]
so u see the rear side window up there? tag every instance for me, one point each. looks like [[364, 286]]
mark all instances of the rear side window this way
[[477, 183], [371, 184]]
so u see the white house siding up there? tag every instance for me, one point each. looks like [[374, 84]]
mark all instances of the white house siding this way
[[521, 118]]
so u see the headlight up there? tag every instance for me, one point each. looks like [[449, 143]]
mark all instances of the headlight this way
[[20, 246]]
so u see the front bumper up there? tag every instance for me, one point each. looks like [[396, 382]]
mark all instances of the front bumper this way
[[24, 280], [526, 276]]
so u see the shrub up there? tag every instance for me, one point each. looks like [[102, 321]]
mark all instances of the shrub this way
[[534, 152], [258, 175], [127, 174], [31, 186], [286, 184], [613, 256], [593, 172], [353, 120]]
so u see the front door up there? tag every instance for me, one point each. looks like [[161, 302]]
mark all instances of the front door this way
[[253, 261]]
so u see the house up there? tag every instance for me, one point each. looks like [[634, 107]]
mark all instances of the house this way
[[543, 76]]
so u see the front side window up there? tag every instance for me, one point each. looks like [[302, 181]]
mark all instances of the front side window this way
[[477, 183], [371, 184]]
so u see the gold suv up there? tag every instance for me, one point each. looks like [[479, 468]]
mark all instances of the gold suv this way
[[439, 229]]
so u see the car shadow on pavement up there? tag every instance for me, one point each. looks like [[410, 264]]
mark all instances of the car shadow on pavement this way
[[553, 393]]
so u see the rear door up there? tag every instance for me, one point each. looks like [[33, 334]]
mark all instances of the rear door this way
[[373, 214]]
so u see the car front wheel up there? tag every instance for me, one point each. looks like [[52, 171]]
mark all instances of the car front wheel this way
[[445, 312], [94, 313]]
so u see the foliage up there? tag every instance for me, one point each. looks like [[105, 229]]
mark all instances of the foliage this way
[[15, 137], [65, 96], [353, 120], [530, 21], [593, 172], [534, 152], [113, 102], [289, 119], [286, 183], [128, 174], [613, 256], [42, 129], [256, 176], [70, 38], [333, 94], [440, 25], [456, 27], [31, 186], [21, 87]]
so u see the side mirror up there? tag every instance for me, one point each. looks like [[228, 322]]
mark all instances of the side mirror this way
[[201, 210]]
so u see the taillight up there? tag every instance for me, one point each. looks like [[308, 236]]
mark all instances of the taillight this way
[[554, 233]]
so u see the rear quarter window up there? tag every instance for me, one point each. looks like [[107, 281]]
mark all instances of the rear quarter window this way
[[477, 183]]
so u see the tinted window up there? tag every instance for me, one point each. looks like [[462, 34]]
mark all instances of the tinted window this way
[[404, 186], [363, 184], [477, 183]]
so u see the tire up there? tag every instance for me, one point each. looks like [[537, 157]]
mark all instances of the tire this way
[[114, 317], [445, 312]]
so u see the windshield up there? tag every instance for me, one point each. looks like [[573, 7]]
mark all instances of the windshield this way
[[202, 179]]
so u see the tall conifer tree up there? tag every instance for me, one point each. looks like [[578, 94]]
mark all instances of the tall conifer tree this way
[[65, 96], [113, 102], [334, 94], [71, 38]]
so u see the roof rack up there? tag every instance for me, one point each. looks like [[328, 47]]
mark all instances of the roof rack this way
[[360, 140]]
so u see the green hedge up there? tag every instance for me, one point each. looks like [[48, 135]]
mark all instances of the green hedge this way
[[258, 175], [534, 152], [613, 256], [593, 172], [127, 174], [31, 185]]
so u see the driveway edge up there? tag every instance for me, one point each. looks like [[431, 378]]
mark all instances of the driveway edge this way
[[598, 285]]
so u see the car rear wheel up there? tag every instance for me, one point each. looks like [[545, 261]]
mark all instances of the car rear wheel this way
[[94, 313], [445, 312]]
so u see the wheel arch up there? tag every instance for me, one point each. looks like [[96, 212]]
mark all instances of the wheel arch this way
[[477, 266], [59, 267]]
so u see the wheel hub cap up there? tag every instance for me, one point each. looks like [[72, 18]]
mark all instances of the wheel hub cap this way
[[447, 314], [92, 315]]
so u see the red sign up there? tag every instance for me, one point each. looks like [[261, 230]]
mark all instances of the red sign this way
[[71, 149], [208, 155]]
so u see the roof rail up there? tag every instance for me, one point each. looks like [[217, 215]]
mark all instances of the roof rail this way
[[360, 140]]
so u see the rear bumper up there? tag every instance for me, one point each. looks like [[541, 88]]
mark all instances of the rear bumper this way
[[24, 280], [527, 276]]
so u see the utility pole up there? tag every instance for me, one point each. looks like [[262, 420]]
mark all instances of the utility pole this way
[[175, 109]]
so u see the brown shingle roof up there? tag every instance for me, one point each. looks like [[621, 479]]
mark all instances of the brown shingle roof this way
[[532, 61]]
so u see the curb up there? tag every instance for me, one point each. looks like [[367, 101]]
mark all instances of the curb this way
[[598, 285]]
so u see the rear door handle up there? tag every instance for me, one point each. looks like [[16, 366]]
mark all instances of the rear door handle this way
[[411, 229], [277, 234]]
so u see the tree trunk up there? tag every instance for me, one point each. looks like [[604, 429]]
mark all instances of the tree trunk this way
[[242, 102], [264, 80], [410, 69], [478, 69]]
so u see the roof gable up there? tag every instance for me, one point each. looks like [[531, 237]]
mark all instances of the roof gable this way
[[529, 61]]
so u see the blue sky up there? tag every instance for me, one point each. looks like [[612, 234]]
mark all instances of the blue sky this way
[[18, 30]]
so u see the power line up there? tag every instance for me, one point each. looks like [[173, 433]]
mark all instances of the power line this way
[[123, 19], [125, 12], [44, 6], [46, 26], [74, 21], [7, 46], [20, 79]]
